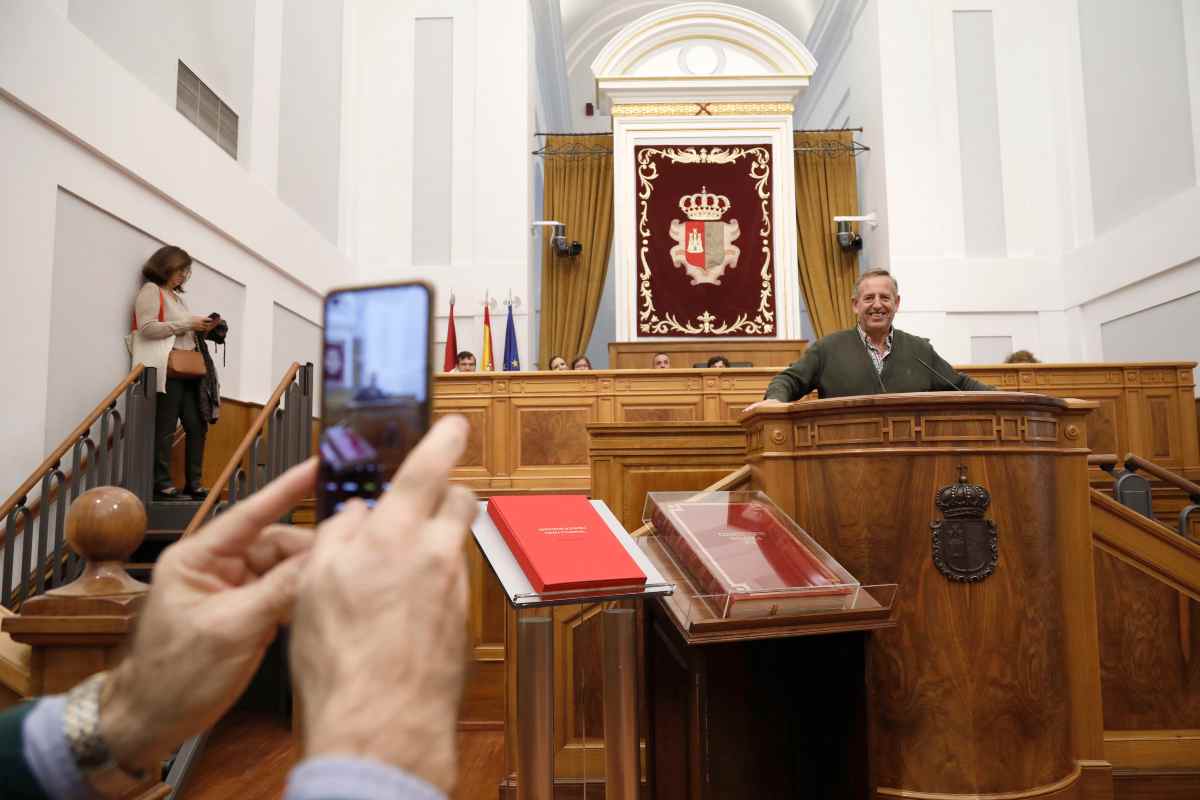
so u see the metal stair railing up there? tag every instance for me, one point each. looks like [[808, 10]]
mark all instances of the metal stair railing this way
[[113, 445], [1134, 490], [282, 433]]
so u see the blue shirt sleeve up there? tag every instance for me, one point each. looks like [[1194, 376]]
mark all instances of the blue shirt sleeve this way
[[48, 754], [344, 778]]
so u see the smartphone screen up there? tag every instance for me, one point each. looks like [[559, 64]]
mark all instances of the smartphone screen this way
[[374, 388]]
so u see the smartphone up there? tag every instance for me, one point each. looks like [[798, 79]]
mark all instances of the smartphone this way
[[375, 386]]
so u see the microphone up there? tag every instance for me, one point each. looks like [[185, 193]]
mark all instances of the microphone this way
[[945, 380]]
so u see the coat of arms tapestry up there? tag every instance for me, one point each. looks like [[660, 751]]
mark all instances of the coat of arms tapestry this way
[[704, 241]]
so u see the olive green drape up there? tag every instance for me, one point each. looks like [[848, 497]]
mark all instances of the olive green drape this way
[[577, 191], [826, 187]]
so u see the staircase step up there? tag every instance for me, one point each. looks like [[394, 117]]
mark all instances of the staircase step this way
[[149, 550], [171, 514]]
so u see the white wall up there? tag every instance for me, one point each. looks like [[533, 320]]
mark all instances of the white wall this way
[[96, 272], [295, 338], [1139, 122], [845, 93], [310, 104], [489, 177], [927, 217], [1094, 103], [84, 125], [84, 301], [214, 38], [1152, 334], [1145, 249], [433, 133]]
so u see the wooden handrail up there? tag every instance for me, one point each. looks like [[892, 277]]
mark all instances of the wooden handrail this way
[[1103, 460], [1145, 544], [1133, 462], [260, 422], [55, 457]]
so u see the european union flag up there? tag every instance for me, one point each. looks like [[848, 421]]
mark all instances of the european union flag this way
[[512, 359]]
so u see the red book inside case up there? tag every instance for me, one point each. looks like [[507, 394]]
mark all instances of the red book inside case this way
[[746, 556], [562, 543]]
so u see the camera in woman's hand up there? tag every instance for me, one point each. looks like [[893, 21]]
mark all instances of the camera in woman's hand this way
[[219, 329]]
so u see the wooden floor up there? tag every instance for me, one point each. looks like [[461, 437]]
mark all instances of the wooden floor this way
[[249, 755]]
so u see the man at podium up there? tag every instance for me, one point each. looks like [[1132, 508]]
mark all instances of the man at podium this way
[[871, 358]]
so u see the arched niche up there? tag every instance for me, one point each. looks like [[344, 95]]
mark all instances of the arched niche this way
[[703, 75], [700, 47]]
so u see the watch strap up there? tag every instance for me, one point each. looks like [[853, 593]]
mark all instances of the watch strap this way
[[81, 727]]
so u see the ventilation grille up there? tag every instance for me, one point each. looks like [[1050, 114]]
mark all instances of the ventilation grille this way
[[207, 112]]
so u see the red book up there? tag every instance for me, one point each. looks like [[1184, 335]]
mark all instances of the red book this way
[[747, 560], [562, 543]]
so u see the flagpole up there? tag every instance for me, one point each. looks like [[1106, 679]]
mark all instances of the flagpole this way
[[487, 358], [450, 355], [512, 359]]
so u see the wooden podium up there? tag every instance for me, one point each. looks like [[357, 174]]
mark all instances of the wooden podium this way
[[989, 685]]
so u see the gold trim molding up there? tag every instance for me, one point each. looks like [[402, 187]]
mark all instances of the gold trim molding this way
[[700, 109]]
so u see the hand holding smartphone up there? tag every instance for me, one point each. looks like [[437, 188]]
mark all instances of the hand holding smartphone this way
[[375, 387]]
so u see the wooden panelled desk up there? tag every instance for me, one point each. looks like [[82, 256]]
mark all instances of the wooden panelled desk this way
[[529, 429], [765, 353], [530, 432], [985, 688]]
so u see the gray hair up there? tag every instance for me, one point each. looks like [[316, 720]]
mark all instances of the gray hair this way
[[876, 273]]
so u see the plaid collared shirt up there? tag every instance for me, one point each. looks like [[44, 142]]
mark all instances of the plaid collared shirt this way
[[877, 355]]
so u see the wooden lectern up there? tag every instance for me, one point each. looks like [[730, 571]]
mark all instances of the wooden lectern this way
[[990, 683]]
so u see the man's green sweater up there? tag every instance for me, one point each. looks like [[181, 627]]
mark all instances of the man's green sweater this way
[[838, 365]]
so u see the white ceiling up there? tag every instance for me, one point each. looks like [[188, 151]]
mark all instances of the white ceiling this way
[[587, 25], [601, 18]]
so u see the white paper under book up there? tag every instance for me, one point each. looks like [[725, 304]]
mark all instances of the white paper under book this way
[[520, 591]]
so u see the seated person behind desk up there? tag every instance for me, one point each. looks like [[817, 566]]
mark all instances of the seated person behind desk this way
[[662, 361], [872, 358], [466, 361]]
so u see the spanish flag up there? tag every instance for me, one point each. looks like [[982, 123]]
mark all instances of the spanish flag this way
[[485, 363]]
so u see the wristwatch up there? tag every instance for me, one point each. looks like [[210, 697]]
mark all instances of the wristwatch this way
[[81, 725]]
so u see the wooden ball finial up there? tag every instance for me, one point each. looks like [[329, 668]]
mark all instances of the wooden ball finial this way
[[106, 524]]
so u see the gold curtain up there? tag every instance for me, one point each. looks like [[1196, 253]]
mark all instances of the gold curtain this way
[[578, 191], [826, 187]]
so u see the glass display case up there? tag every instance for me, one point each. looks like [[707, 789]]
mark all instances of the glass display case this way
[[737, 556]]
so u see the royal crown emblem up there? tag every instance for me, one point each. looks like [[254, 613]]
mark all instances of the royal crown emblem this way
[[702, 205], [965, 545], [703, 244], [963, 500]]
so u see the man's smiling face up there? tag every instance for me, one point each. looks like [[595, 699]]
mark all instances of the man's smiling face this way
[[875, 304]]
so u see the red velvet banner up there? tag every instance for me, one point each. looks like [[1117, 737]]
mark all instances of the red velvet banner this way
[[704, 241]]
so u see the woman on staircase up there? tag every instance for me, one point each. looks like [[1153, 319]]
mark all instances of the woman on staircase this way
[[167, 336]]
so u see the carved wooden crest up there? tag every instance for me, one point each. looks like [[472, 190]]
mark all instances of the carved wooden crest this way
[[965, 545]]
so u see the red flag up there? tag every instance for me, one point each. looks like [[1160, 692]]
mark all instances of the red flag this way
[[485, 363], [451, 359]]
